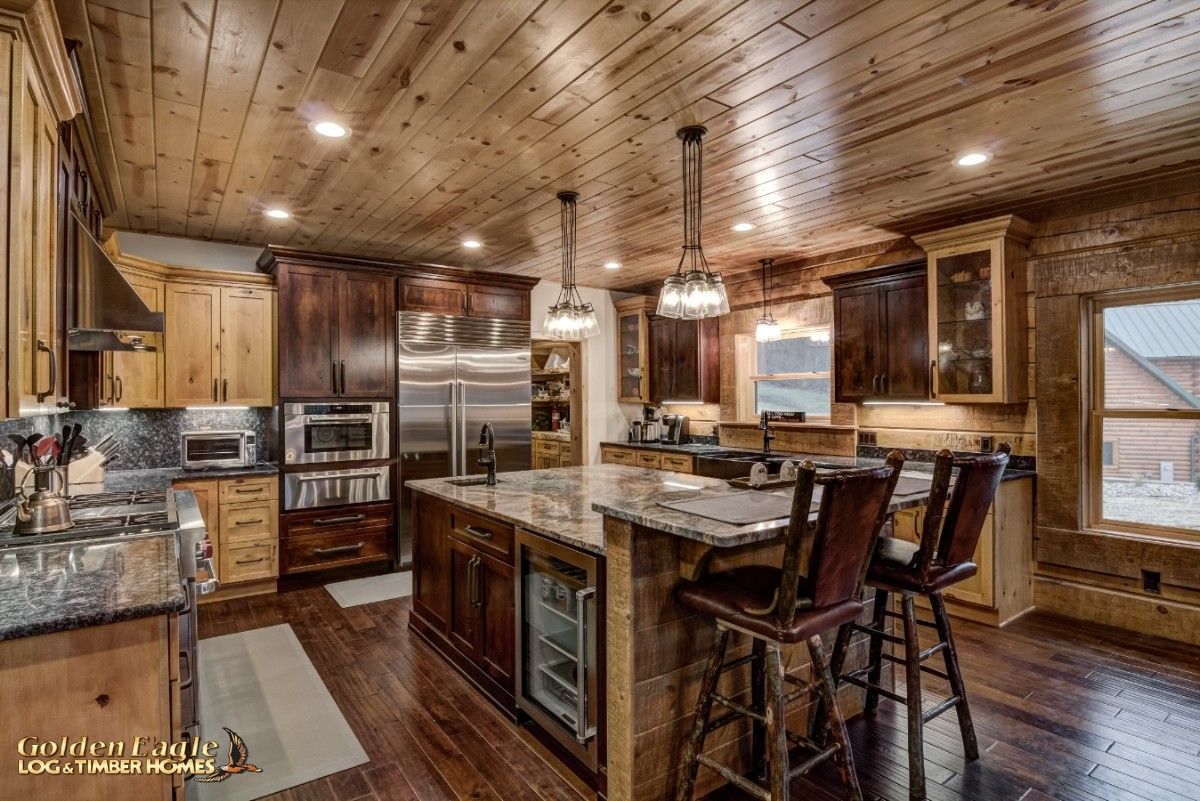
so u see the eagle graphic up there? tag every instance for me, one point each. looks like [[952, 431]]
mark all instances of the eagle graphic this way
[[238, 754]]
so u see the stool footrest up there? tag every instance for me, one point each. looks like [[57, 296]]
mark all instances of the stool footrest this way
[[949, 703], [737, 663], [736, 779], [874, 632], [866, 685], [933, 649], [920, 622], [899, 660], [820, 756], [738, 709]]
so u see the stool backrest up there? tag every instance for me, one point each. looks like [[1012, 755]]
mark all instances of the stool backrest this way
[[952, 539], [854, 506]]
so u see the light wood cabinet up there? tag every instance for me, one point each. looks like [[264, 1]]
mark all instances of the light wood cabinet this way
[[137, 380], [242, 519], [633, 331], [613, 455], [549, 453], [977, 311], [219, 345]]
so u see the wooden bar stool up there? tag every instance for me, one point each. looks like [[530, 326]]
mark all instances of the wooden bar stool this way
[[779, 606], [942, 558]]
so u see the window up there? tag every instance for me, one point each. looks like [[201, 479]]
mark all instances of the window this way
[[1145, 419], [791, 374]]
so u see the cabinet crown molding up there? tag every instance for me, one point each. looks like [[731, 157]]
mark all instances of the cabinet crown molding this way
[[270, 259], [1009, 225], [178, 272], [36, 24]]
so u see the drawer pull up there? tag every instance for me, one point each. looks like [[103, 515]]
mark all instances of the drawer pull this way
[[255, 521], [339, 549], [247, 490], [251, 561], [333, 521], [478, 533]]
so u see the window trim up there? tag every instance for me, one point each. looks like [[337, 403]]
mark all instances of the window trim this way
[[746, 364], [1095, 412]]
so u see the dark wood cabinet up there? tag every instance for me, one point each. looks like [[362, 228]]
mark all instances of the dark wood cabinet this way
[[321, 539], [335, 333], [684, 358], [881, 334], [437, 297], [431, 561], [497, 302]]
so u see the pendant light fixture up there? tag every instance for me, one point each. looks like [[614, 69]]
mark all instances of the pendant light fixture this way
[[694, 292], [767, 329], [570, 317]]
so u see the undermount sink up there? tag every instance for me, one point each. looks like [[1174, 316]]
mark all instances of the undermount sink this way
[[470, 481]]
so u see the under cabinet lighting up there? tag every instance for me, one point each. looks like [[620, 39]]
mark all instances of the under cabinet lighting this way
[[214, 408], [972, 159], [113, 409], [903, 403], [471, 243], [330, 129], [277, 214]]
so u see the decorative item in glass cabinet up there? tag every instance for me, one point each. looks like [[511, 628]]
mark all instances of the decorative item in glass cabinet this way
[[767, 329], [695, 292], [569, 317]]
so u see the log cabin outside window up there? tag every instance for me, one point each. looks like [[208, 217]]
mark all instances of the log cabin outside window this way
[[1144, 450], [792, 374]]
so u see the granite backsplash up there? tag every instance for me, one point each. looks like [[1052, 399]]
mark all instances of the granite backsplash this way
[[150, 437]]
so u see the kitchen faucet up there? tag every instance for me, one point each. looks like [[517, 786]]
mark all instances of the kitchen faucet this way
[[764, 422], [487, 438]]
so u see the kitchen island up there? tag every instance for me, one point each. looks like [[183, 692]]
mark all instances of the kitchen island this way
[[651, 649]]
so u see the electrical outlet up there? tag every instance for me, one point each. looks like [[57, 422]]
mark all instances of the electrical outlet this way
[[866, 438], [985, 444], [1152, 581]]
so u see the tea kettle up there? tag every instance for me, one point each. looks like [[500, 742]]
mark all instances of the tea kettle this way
[[44, 511]]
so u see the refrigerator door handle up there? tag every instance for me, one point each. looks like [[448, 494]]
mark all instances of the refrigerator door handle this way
[[583, 732], [453, 411], [462, 431]]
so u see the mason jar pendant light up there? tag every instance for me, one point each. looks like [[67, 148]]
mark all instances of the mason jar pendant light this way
[[695, 292], [767, 329], [569, 317]]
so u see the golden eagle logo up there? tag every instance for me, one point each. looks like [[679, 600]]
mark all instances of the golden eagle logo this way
[[238, 754]]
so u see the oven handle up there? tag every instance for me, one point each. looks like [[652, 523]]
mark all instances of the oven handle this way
[[211, 585], [328, 420], [344, 477]]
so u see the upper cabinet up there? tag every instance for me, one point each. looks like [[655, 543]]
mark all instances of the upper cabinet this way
[[336, 333], [633, 346], [880, 334], [218, 345], [684, 358], [462, 298], [977, 304]]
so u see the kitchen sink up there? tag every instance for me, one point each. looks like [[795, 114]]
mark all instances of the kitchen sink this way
[[471, 481]]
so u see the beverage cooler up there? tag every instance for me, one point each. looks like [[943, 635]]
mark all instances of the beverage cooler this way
[[557, 674]]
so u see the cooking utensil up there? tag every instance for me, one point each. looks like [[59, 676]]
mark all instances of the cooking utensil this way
[[30, 441], [78, 446], [19, 442]]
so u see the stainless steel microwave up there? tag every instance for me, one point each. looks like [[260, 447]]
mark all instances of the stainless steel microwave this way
[[205, 449], [318, 433]]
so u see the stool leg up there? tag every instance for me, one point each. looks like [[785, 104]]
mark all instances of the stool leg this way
[[916, 721], [942, 620], [758, 694], [837, 724], [875, 657], [777, 775], [695, 743]]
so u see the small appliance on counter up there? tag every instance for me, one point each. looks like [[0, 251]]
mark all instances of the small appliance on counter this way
[[650, 424], [674, 429], [208, 449], [635, 431]]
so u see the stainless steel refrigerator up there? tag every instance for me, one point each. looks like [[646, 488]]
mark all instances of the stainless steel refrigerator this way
[[455, 374]]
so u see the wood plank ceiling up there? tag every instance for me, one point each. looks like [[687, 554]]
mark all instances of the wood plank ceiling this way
[[832, 122]]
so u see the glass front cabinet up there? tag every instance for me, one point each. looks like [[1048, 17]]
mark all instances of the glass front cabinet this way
[[978, 311], [633, 380]]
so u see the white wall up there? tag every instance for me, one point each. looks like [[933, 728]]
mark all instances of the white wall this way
[[190, 252], [606, 419]]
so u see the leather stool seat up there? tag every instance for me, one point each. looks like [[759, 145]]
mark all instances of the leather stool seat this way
[[893, 569]]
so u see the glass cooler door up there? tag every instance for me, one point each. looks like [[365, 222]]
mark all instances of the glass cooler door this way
[[557, 672]]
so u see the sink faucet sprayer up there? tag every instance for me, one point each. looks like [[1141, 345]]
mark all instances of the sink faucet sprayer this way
[[487, 439]]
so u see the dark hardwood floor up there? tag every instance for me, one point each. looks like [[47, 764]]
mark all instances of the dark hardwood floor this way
[[1063, 710]]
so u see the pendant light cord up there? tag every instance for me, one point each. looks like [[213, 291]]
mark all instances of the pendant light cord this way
[[567, 222], [766, 264], [693, 184]]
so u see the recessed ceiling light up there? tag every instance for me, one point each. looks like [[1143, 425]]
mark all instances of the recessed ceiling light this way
[[971, 159], [333, 130], [471, 243], [612, 265], [742, 227], [277, 214]]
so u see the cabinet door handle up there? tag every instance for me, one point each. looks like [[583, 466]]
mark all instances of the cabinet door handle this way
[[225, 389], [333, 521], [932, 378], [214, 390], [471, 566], [334, 374], [358, 546], [120, 385], [44, 348], [883, 384], [343, 379], [478, 533]]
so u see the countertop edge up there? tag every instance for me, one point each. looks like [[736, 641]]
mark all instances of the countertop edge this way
[[99, 619]]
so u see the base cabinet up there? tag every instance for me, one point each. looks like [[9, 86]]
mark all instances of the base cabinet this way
[[637, 457], [337, 537]]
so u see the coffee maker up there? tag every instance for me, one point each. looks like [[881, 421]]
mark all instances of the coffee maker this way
[[674, 429], [650, 424]]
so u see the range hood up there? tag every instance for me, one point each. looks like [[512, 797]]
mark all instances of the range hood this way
[[105, 305]]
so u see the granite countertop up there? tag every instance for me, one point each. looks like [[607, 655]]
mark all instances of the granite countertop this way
[[169, 474], [559, 436], [559, 504], [70, 585]]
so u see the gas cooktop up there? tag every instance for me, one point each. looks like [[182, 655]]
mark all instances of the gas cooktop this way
[[103, 514]]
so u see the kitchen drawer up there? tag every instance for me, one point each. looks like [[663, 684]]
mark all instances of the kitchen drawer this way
[[618, 456], [483, 533], [546, 447], [237, 490], [337, 549], [337, 519], [649, 459], [678, 462], [248, 521], [249, 560]]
